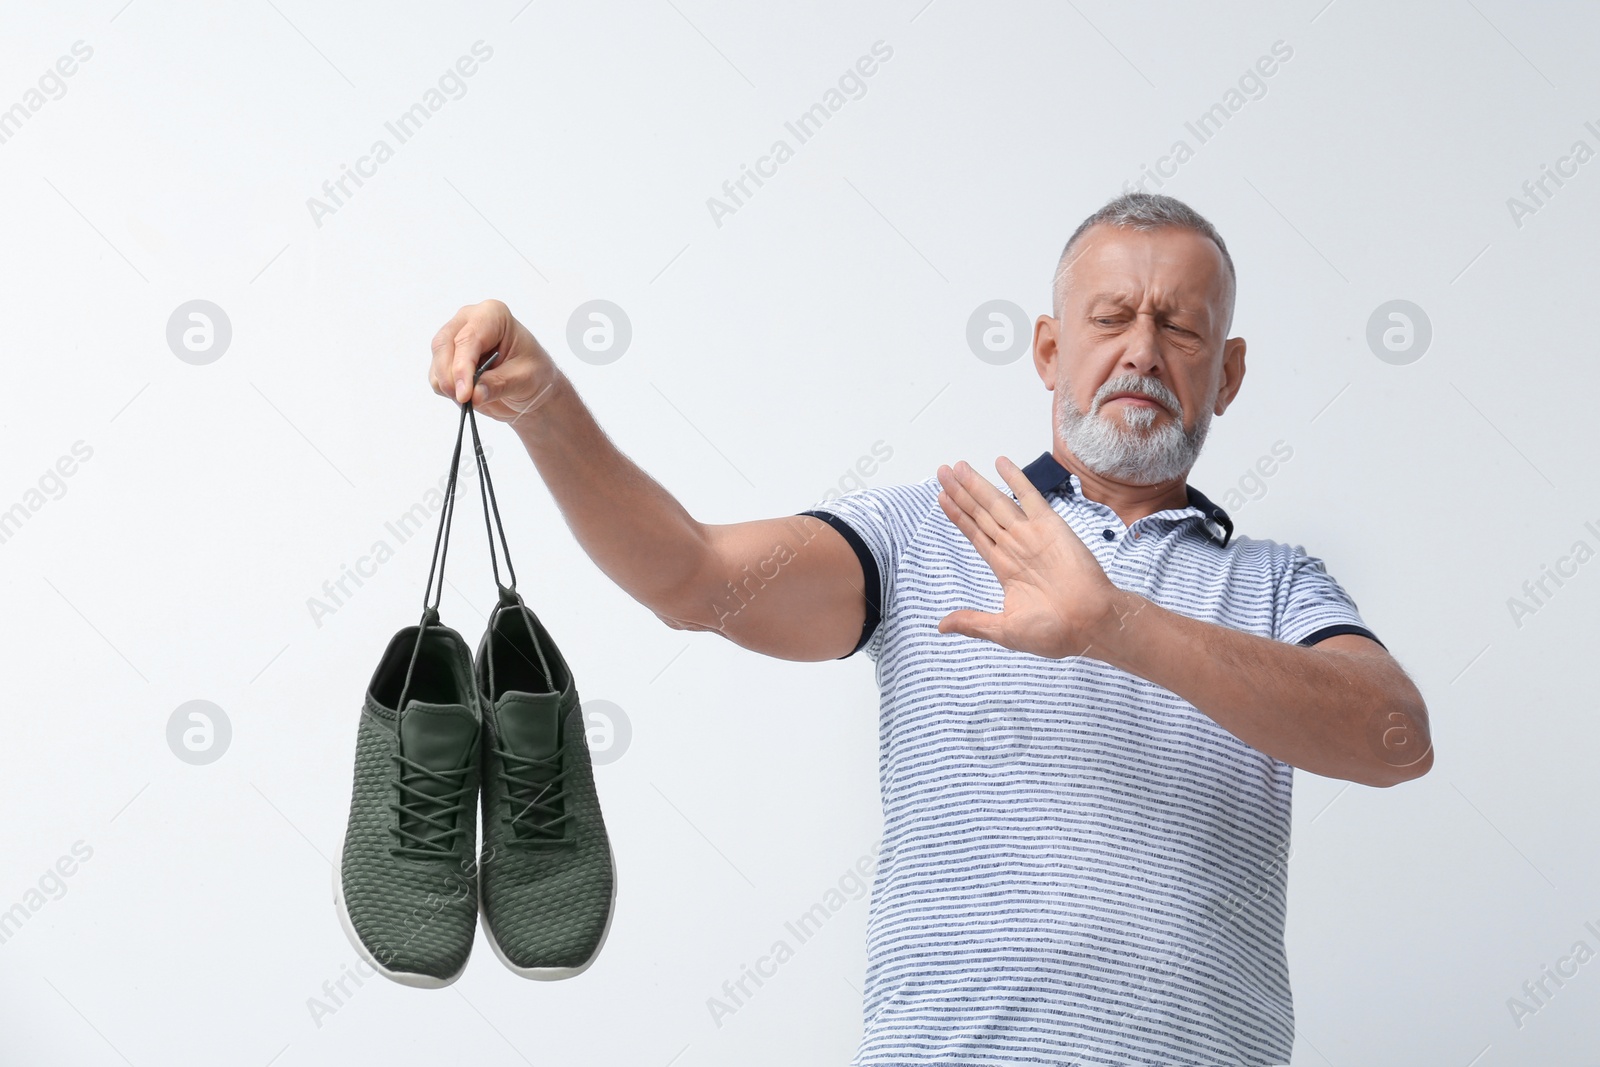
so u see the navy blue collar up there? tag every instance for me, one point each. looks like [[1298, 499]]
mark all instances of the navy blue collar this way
[[1046, 473]]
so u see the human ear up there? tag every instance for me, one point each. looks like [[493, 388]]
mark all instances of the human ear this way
[[1045, 349], [1232, 373]]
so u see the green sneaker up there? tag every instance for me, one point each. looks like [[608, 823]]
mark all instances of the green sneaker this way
[[406, 883], [547, 877]]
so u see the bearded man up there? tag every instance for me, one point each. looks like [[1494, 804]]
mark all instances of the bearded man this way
[[1092, 694]]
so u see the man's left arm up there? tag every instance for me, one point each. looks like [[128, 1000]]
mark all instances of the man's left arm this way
[[1342, 707]]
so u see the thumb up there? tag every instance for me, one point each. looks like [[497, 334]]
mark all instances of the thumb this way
[[979, 624], [491, 386]]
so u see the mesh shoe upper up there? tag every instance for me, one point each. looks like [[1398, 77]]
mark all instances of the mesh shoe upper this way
[[546, 863], [408, 867]]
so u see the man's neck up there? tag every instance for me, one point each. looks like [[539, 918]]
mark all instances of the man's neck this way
[[1130, 502]]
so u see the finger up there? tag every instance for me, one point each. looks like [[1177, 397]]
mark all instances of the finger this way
[[998, 559], [979, 624], [963, 485], [497, 383], [443, 348], [1001, 557], [1028, 496], [1001, 507], [479, 334], [967, 523]]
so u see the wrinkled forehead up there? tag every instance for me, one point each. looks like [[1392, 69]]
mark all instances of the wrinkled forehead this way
[[1171, 267]]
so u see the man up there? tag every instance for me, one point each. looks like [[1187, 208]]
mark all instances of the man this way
[[1093, 694]]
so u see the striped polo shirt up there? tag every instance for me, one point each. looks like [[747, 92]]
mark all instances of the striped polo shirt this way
[[1077, 867]]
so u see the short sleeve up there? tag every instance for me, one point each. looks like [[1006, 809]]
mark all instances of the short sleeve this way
[[878, 523], [1311, 605]]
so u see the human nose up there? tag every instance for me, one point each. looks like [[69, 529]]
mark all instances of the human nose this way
[[1141, 352]]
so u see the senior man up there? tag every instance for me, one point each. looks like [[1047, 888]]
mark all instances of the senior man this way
[[1093, 694]]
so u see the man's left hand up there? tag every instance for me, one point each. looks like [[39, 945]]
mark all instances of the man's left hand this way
[[1057, 596]]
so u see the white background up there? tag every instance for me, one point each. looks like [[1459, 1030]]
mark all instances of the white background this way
[[769, 354]]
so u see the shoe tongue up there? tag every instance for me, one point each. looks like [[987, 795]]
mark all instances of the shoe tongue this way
[[529, 723], [439, 737]]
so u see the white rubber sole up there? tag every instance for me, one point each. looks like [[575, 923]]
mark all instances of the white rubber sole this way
[[406, 978], [551, 974]]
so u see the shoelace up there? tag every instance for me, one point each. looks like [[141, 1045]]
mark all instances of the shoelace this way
[[441, 813], [534, 805], [537, 822]]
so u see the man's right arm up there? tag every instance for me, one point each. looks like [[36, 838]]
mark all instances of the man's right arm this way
[[789, 587]]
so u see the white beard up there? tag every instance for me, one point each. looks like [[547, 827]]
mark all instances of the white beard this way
[[1126, 448]]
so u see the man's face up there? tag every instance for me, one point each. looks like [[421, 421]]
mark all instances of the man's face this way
[[1138, 358]]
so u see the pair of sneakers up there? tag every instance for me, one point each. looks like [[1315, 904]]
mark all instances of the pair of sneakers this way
[[443, 733]]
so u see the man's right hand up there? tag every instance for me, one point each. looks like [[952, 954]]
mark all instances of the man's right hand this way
[[788, 587], [519, 381]]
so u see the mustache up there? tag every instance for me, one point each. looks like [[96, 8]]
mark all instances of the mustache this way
[[1144, 386]]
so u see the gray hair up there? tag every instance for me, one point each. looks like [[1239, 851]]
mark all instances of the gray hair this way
[[1143, 211]]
